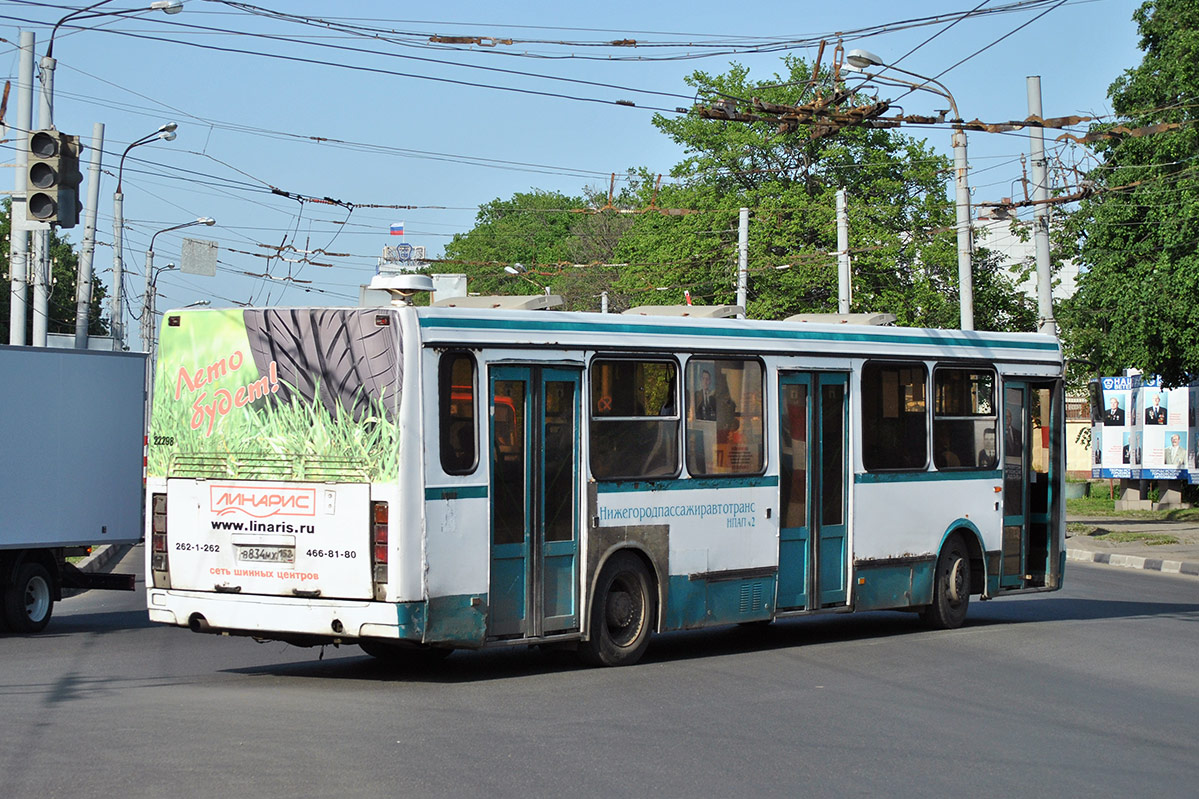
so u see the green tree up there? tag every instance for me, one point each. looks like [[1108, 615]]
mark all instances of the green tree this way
[[900, 218], [646, 246], [563, 241], [64, 265], [532, 228], [1136, 301]]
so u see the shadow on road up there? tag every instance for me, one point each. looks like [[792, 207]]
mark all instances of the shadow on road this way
[[90, 623], [518, 662], [1042, 609]]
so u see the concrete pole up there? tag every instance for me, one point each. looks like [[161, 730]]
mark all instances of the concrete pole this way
[[46, 109], [41, 287], [118, 222], [148, 303], [603, 302], [965, 243], [1040, 187], [844, 290], [743, 260], [83, 285], [18, 248]]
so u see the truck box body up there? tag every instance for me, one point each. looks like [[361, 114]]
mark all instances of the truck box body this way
[[72, 426]]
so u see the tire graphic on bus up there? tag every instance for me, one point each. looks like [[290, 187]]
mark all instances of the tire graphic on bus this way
[[345, 359]]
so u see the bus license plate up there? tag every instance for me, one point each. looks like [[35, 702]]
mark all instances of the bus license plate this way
[[263, 554]]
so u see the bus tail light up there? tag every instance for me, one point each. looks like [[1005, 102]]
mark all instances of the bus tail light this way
[[379, 548], [159, 560]]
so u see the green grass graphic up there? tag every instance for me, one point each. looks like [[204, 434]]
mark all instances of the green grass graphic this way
[[284, 441]]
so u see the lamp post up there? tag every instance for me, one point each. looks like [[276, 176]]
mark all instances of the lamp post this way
[[519, 270], [860, 60], [152, 284], [48, 63], [166, 133], [46, 116]]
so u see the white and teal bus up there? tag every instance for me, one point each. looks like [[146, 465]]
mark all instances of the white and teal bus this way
[[420, 479]]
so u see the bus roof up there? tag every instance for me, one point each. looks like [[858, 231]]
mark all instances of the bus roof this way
[[580, 330]]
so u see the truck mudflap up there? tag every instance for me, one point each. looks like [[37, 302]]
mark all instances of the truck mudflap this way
[[306, 540]]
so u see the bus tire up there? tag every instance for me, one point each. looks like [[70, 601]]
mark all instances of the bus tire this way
[[29, 600], [403, 654], [951, 587], [622, 613]]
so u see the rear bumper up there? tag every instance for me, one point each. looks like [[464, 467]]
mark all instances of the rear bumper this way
[[303, 621]]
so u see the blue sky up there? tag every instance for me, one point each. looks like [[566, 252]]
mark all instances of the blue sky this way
[[396, 130]]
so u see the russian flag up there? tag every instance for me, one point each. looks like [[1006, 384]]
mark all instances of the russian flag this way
[[397, 229]]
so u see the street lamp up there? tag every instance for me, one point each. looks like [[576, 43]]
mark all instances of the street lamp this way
[[46, 115], [166, 133], [48, 63], [860, 61], [152, 284], [520, 271]]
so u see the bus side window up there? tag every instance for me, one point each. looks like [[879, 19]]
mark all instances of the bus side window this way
[[964, 430], [894, 416], [634, 419], [724, 417], [458, 431]]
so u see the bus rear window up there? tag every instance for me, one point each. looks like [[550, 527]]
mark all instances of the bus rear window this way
[[456, 402], [634, 419]]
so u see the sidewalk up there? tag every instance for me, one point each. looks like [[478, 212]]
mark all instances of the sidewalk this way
[[1180, 558]]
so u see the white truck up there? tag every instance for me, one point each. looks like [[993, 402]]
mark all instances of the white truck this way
[[72, 429]]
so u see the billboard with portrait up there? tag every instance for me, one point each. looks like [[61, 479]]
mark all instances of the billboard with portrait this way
[[1142, 430]]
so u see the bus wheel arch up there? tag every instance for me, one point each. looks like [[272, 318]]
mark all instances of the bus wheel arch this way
[[971, 538], [953, 582], [978, 563], [624, 607]]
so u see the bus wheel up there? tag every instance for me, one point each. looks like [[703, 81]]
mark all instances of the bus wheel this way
[[951, 587], [29, 601], [622, 612], [403, 654]]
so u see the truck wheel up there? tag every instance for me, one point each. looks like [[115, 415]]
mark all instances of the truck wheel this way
[[29, 601], [622, 613], [951, 588]]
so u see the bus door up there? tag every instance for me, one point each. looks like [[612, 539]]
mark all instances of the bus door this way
[[1030, 475], [813, 472], [534, 510]]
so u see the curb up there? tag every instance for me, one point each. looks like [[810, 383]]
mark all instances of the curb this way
[[1134, 562], [101, 556]]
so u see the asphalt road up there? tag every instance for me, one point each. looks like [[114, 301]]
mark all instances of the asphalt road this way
[[1089, 691]]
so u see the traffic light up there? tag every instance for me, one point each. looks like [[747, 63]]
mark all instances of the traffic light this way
[[52, 182]]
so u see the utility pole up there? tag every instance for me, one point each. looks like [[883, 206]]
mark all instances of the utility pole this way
[[859, 60], [83, 292], [118, 277], [1040, 181], [844, 286], [965, 238], [742, 260], [18, 251]]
